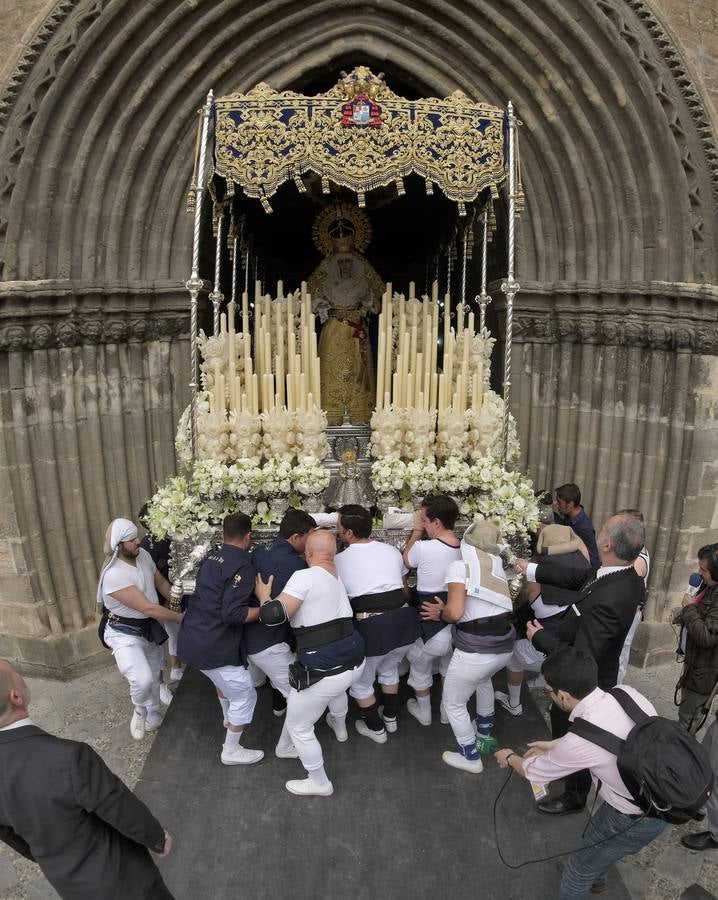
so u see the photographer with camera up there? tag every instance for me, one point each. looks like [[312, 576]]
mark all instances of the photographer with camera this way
[[620, 827], [330, 655], [698, 618]]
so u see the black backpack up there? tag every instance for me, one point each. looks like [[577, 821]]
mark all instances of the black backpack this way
[[666, 770]]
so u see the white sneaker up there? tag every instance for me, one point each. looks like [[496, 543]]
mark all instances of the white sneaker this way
[[165, 695], [417, 712], [504, 701], [305, 787], [443, 716], [379, 737], [291, 753], [152, 723], [391, 725], [176, 674], [137, 726], [459, 761], [241, 756], [340, 734]]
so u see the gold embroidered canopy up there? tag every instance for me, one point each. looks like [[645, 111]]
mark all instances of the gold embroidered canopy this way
[[359, 135]]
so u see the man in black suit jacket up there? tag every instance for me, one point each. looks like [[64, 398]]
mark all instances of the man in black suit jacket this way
[[597, 622], [61, 807]]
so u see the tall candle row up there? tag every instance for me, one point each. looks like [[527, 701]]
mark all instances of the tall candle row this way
[[280, 374], [407, 370]]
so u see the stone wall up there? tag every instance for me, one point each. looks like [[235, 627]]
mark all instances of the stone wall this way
[[615, 377]]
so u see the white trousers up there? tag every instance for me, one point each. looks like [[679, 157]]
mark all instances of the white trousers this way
[[172, 629], [305, 707], [626, 651], [384, 668], [424, 656], [469, 672], [525, 657], [274, 662], [236, 685], [140, 662]]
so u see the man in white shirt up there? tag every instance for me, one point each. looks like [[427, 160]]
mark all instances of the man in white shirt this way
[[330, 655], [130, 626], [618, 828], [374, 575], [480, 608], [431, 558]]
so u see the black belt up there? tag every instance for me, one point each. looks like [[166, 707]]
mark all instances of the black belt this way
[[378, 603], [493, 625], [312, 636], [300, 677], [125, 620]]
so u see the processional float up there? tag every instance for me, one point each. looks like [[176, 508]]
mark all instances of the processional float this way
[[256, 425]]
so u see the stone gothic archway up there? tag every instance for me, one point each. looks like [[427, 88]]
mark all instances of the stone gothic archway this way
[[617, 258]]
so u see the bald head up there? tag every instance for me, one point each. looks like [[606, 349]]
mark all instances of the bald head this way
[[321, 547], [14, 695], [621, 540]]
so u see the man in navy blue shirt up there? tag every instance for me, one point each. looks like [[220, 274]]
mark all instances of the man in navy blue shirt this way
[[269, 648], [211, 634], [568, 511]]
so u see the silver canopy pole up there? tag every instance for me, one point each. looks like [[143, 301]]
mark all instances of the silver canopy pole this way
[[194, 283], [510, 287]]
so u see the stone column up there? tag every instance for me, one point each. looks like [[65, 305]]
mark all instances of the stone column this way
[[617, 391], [90, 399]]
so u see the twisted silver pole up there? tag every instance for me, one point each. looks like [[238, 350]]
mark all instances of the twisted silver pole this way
[[510, 287], [216, 296], [483, 298], [194, 283], [463, 267], [235, 244]]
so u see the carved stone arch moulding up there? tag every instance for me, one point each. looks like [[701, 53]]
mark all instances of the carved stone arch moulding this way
[[45, 75]]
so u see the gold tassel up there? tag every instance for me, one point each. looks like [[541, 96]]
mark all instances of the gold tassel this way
[[429, 184], [361, 199], [325, 185]]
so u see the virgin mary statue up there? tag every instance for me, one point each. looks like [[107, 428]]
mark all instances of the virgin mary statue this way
[[345, 289]]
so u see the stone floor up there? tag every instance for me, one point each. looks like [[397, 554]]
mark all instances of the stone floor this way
[[95, 708]]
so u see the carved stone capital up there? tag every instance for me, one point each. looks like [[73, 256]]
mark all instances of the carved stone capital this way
[[41, 315]]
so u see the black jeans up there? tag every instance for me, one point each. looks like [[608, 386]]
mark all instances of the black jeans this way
[[576, 786]]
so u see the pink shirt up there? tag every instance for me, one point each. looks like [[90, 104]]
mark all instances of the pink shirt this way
[[573, 753]]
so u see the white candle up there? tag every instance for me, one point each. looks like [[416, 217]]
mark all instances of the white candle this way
[[231, 313], [223, 323], [245, 312]]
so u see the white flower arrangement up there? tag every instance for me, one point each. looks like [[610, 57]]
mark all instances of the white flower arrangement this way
[[311, 432], [309, 477], [503, 495], [484, 430], [276, 477], [451, 435], [419, 434], [387, 433], [278, 433], [421, 476], [453, 476], [388, 475]]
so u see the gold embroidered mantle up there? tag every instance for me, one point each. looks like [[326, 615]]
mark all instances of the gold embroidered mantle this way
[[359, 135]]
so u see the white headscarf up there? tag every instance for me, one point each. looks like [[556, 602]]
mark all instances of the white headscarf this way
[[117, 531]]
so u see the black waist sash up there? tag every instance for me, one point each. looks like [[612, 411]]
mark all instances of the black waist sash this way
[[310, 637], [493, 625], [378, 603], [150, 629]]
